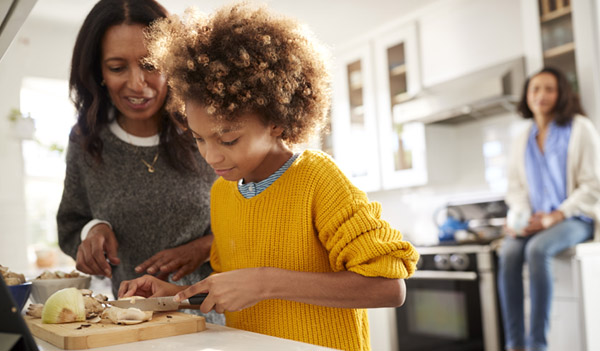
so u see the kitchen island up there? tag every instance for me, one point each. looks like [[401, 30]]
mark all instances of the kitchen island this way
[[214, 338]]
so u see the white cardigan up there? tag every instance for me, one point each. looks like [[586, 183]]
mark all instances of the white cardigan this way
[[583, 173]]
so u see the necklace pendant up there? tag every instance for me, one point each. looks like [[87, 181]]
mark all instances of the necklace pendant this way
[[150, 166]]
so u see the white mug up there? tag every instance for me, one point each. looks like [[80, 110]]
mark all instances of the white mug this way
[[517, 220]]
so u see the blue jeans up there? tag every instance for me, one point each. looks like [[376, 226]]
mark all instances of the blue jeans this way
[[537, 250]]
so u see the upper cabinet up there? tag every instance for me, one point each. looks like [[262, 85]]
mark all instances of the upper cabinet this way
[[398, 79], [558, 43], [564, 34], [373, 147], [354, 124]]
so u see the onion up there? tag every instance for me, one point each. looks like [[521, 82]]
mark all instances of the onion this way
[[64, 306]]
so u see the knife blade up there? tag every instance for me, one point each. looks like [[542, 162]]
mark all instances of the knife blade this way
[[165, 303]]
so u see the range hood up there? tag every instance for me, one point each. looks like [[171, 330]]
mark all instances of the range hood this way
[[12, 16], [487, 92]]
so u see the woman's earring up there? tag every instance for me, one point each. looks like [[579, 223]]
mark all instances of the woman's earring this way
[[103, 83]]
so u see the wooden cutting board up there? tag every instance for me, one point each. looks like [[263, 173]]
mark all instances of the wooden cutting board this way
[[71, 336]]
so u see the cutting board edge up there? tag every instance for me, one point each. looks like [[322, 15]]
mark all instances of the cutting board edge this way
[[117, 337]]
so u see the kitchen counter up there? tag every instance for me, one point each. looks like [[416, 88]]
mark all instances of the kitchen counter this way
[[214, 338]]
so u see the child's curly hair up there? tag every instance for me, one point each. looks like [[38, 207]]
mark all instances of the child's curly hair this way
[[243, 59]]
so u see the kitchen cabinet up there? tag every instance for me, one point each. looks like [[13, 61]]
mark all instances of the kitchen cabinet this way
[[402, 146], [354, 124], [372, 78], [558, 44], [564, 34], [575, 313]]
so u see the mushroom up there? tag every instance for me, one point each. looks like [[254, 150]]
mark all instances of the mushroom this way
[[92, 306], [35, 310], [126, 315]]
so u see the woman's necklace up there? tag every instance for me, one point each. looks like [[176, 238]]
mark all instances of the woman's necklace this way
[[150, 166]]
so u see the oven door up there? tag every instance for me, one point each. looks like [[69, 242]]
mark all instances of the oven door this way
[[442, 312]]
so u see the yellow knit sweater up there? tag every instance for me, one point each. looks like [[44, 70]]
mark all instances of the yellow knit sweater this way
[[311, 219]]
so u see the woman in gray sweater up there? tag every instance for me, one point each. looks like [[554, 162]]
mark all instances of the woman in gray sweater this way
[[136, 191]]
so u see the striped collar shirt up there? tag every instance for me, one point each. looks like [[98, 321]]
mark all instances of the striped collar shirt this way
[[251, 189]]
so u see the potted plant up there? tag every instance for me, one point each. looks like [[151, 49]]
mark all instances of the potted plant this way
[[23, 125]]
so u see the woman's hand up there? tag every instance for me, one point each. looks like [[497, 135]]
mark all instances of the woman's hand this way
[[552, 218], [540, 221], [535, 224], [148, 286], [229, 291], [93, 252], [184, 259]]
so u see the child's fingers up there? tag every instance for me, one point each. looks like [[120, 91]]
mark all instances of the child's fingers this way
[[208, 305], [191, 291], [127, 288]]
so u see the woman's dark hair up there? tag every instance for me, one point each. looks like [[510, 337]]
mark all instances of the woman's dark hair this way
[[91, 99], [567, 103]]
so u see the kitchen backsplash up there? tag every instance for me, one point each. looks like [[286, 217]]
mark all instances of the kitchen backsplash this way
[[465, 162]]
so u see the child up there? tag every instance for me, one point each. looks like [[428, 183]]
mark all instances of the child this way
[[298, 251]]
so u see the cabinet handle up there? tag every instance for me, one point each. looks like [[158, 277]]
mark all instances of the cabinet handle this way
[[445, 275]]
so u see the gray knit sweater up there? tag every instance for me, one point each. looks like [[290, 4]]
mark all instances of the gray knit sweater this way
[[149, 212]]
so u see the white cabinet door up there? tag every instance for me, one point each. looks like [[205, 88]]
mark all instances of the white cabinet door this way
[[565, 328], [354, 122], [402, 145]]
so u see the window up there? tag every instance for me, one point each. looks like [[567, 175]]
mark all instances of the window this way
[[47, 102]]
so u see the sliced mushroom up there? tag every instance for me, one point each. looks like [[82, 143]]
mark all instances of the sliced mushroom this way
[[92, 306], [95, 320], [101, 298], [86, 292], [35, 310], [126, 315]]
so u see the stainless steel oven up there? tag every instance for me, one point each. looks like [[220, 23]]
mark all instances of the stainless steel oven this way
[[451, 302]]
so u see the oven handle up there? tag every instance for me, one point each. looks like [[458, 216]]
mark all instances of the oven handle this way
[[445, 275]]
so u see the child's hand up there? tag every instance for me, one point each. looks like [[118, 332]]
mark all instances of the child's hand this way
[[230, 291], [148, 286]]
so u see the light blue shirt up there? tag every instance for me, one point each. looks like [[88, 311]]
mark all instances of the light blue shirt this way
[[252, 189], [547, 172]]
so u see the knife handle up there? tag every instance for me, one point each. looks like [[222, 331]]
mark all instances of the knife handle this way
[[197, 299]]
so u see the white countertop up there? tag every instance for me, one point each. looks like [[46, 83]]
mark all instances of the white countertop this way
[[214, 338]]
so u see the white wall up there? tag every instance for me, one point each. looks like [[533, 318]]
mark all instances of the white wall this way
[[40, 49]]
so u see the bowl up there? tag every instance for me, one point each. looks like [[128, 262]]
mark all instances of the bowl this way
[[42, 289], [20, 293]]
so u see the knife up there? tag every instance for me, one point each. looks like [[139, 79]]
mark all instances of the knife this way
[[165, 303]]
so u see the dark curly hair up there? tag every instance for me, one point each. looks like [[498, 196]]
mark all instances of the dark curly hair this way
[[567, 103], [92, 101], [244, 59]]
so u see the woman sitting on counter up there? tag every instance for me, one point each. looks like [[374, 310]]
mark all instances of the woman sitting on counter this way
[[553, 193], [299, 251]]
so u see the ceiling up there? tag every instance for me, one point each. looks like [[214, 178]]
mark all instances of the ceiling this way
[[333, 21]]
